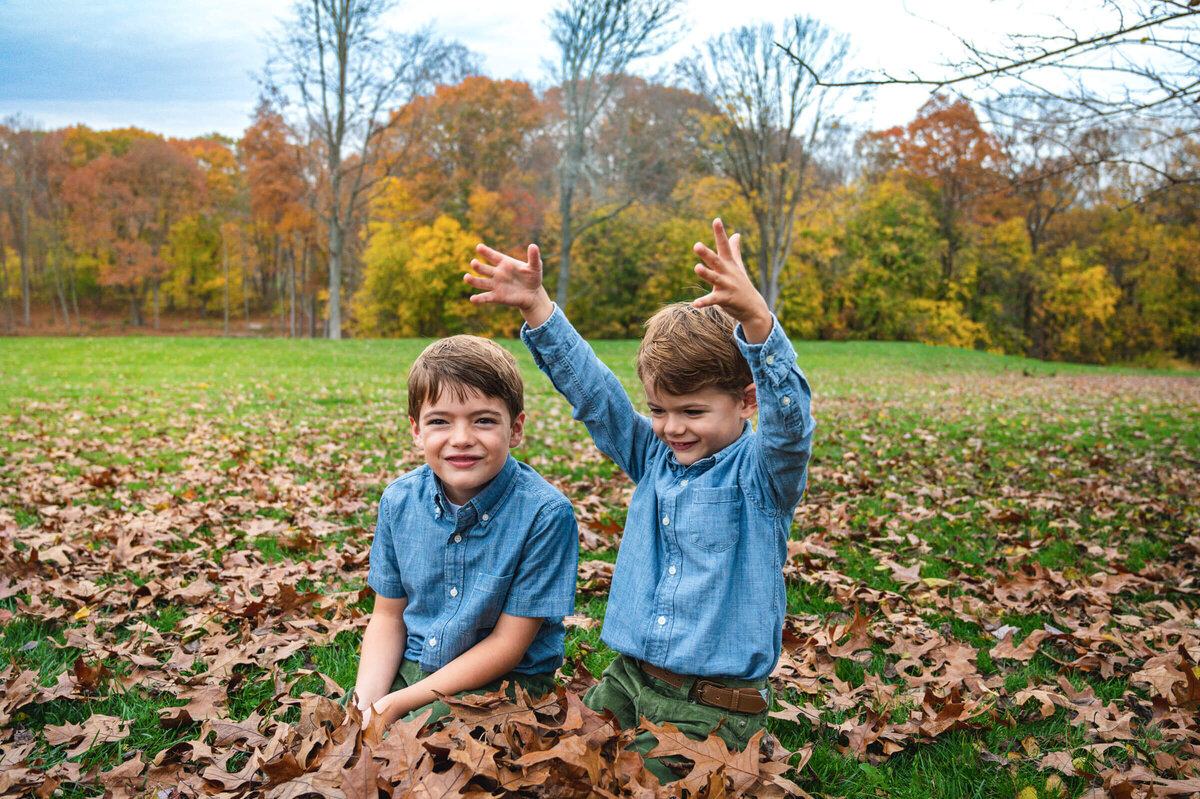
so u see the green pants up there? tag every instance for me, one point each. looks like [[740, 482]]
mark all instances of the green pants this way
[[630, 694], [409, 673]]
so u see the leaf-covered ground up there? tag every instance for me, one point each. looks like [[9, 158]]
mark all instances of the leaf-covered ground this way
[[992, 590]]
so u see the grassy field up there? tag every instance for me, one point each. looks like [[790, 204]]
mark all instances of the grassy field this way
[[992, 585]]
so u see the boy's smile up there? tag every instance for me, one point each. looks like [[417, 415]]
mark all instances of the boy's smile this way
[[466, 441], [699, 423]]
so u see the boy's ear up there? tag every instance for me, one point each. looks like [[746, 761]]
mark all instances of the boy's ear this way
[[749, 401], [518, 431], [416, 431]]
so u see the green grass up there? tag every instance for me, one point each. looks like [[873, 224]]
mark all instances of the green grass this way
[[970, 465]]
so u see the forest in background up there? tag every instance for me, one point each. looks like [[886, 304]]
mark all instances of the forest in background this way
[[1024, 239]]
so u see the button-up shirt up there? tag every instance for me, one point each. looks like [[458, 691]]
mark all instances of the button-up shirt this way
[[698, 584], [513, 548]]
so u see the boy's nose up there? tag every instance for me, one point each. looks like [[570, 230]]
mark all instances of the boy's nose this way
[[674, 425], [462, 435]]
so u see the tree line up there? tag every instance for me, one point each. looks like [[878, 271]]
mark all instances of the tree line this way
[[359, 206]]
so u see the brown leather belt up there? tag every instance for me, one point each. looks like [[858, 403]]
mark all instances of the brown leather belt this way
[[711, 693]]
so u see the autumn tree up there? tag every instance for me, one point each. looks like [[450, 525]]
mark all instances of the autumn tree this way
[[283, 210], [775, 125], [464, 151], [22, 175], [346, 73], [946, 146], [125, 207], [598, 41]]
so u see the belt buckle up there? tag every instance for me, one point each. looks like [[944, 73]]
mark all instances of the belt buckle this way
[[698, 692]]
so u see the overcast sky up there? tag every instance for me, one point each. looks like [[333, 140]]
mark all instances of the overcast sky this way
[[186, 67]]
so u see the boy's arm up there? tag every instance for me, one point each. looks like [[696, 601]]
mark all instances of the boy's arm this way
[[494, 656], [785, 424], [382, 650], [543, 587], [595, 394]]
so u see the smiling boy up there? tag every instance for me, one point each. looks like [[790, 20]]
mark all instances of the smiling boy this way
[[474, 558], [697, 602]]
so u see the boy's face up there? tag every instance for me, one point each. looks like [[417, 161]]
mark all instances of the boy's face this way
[[699, 423], [466, 441]]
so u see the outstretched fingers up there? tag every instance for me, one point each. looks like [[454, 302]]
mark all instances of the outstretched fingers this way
[[722, 238], [493, 256]]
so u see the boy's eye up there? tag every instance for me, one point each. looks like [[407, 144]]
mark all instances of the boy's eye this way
[[656, 411], [693, 413], [487, 420]]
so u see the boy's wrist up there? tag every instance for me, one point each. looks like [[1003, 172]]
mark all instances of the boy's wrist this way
[[757, 326], [539, 309]]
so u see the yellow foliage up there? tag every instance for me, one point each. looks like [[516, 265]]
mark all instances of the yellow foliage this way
[[941, 322], [1077, 306], [413, 282]]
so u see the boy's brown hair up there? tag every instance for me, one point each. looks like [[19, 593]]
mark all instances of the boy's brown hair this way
[[463, 364], [687, 349]]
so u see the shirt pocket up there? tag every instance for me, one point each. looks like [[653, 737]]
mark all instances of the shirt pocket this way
[[491, 591], [714, 517]]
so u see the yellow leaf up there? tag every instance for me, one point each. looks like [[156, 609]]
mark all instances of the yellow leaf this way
[[936, 582], [1080, 764], [1031, 747], [1054, 786], [82, 613], [1028, 793]]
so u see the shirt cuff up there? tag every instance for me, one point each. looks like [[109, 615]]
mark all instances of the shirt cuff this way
[[386, 588], [775, 357], [539, 608], [550, 337]]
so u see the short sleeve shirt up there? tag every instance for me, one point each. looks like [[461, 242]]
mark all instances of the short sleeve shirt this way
[[513, 548]]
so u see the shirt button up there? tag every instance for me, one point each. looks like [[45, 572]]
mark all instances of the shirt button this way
[[770, 359], [662, 620], [433, 642], [683, 483], [458, 539], [453, 592], [485, 517], [786, 400], [666, 521], [671, 570]]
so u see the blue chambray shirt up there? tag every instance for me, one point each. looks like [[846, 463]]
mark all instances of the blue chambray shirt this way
[[698, 585], [513, 548]]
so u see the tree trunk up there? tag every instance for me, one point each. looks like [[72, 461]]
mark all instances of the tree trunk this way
[[225, 261], [75, 301], [135, 306], [156, 303], [566, 241], [61, 289], [292, 289], [5, 300], [25, 264], [335, 278], [245, 292]]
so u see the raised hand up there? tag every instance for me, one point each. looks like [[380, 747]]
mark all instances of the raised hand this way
[[507, 281], [731, 285]]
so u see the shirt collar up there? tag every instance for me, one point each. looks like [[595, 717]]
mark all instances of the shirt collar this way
[[483, 506]]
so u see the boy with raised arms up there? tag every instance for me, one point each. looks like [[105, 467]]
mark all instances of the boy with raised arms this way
[[474, 558], [697, 603]]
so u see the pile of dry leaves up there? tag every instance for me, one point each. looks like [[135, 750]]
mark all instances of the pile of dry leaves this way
[[97, 547]]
